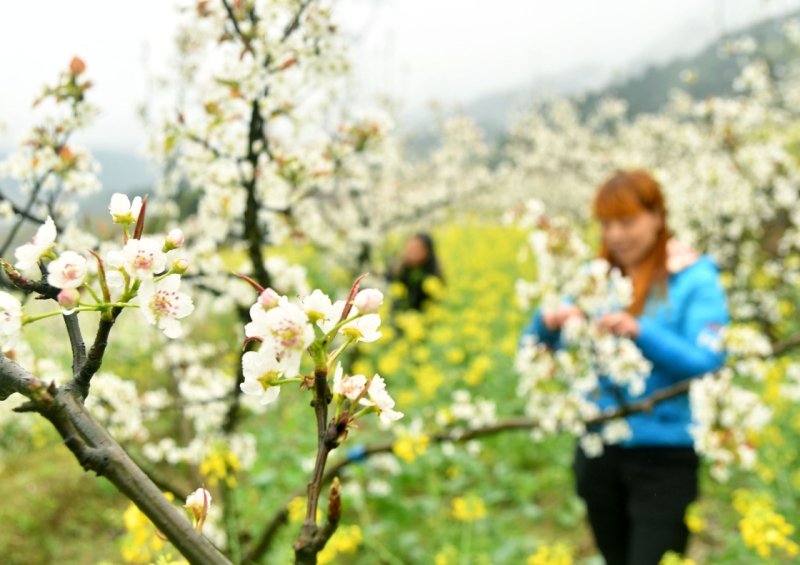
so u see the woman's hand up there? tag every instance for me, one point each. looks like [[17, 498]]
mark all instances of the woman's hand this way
[[620, 323], [555, 319]]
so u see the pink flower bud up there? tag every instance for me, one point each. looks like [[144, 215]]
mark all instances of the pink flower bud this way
[[174, 240], [368, 301], [197, 504], [68, 299], [268, 299], [180, 266]]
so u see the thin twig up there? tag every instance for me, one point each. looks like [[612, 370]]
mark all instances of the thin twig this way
[[26, 211]]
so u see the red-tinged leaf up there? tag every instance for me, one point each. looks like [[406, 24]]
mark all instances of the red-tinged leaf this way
[[349, 304], [159, 535], [249, 339], [137, 232], [76, 66], [101, 272], [253, 283], [206, 503]]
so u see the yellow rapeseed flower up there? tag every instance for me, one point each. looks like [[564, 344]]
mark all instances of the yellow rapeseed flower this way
[[557, 554], [409, 447], [672, 558], [468, 509], [346, 539]]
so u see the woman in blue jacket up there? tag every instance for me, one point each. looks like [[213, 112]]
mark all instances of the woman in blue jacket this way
[[636, 493]]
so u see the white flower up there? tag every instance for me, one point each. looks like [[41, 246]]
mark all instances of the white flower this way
[[142, 258], [380, 398], [162, 304], [199, 499], [616, 431], [334, 315], [29, 254], [68, 271], [123, 211], [592, 445], [317, 306], [363, 328], [337, 379], [198, 504], [368, 301], [268, 299], [175, 239], [261, 372], [287, 327], [10, 321], [351, 386]]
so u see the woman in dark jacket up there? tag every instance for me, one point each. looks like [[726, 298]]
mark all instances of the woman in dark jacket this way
[[417, 263]]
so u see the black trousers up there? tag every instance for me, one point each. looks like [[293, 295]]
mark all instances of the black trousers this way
[[636, 499]]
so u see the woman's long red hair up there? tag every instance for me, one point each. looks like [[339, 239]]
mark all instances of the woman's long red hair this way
[[629, 193]]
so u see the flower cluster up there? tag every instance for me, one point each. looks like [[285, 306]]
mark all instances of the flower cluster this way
[[556, 383], [134, 276], [286, 330], [762, 527], [48, 163], [727, 418]]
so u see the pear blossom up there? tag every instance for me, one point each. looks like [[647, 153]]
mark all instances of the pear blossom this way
[[199, 500], [68, 271], [162, 304], [28, 255], [592, 445], [335, 314], [380, 398], [174, 240], [322, 311], [368, 301], [349, 386], [68, 299], [123, 211], [10, 321], [261, 372], [268, 299], [287, 327], [198, 503], [143, 258], [364, 328], [317, 306]]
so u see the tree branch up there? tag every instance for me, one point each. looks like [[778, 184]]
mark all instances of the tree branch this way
[[456, 436], [26, 211], [76, 342], [785, 345], [312, 539], [22, 212], [96, 450], [79, 384]]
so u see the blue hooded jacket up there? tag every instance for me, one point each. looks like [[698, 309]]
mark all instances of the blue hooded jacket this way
[[680, 336]]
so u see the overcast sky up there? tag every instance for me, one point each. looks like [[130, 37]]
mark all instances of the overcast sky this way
[[414, 50]]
